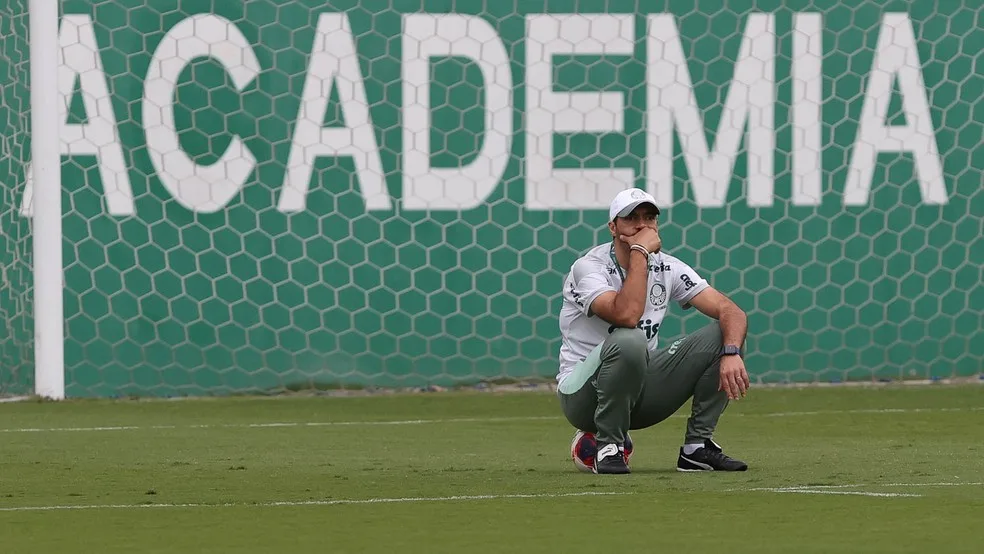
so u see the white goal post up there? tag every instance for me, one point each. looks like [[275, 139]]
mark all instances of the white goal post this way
[[49, 321]]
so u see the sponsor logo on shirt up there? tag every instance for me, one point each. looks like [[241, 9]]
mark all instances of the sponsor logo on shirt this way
[[645, 325], [576, 296], [655, 268]]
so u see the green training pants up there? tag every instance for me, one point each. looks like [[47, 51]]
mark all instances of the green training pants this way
[[621, 386]]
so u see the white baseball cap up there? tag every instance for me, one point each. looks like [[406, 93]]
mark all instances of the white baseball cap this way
[[628, 200]]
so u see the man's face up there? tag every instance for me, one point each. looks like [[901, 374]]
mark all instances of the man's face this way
[[644, 216]]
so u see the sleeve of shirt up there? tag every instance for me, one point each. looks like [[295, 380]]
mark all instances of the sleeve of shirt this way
[[586, 283], [686, 283]]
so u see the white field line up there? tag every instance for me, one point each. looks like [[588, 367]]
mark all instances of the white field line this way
[[943, 484], [289, 503], [7, 399], [841, 489], [866, 411], [283, 424], [458, 420], [804, 489], [844, 493]]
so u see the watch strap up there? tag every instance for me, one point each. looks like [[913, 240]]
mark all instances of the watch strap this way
[[730, 350]]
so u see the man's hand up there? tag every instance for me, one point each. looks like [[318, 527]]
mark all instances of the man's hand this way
[[647, 238], [734, 378]]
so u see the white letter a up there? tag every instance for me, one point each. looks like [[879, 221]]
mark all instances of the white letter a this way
[[896, 56], [334, 61]]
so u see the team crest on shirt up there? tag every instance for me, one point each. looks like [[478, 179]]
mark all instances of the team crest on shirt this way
[[657, 295]]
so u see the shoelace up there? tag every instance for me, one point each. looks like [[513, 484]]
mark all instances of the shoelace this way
[[718, 456]]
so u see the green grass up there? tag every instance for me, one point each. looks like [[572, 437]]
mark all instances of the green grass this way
[[222, 457]]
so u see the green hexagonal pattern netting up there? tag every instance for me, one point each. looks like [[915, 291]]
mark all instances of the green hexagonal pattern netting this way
[[283, 194]]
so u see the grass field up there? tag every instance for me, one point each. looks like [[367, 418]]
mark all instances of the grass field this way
[[892, 469]]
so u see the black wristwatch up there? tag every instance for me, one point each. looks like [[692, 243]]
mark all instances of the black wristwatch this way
[[730, 350]]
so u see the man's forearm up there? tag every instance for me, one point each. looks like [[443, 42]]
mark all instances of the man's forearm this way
[[734, 325], [631, 300]]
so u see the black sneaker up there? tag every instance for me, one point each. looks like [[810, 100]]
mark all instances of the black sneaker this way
[[709, 458], [610, 459]]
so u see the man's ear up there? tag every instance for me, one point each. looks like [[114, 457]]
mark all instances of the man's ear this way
[[611, 228]]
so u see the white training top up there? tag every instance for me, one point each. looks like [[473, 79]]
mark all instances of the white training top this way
[[597, 272]]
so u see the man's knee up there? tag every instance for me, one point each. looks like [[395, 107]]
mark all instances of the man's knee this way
[[709, 338], [631, 347]]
